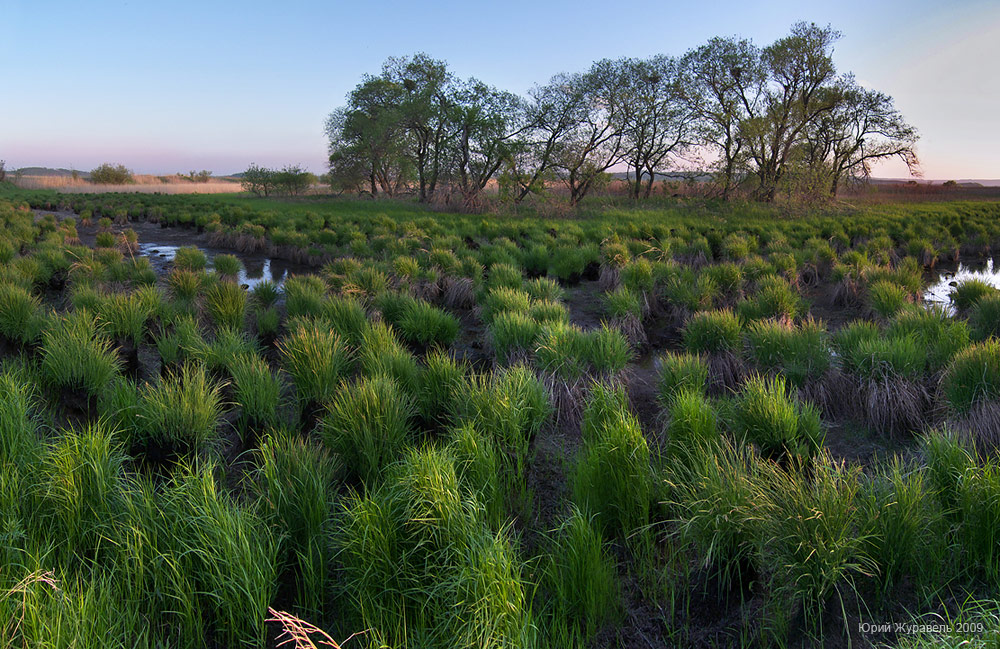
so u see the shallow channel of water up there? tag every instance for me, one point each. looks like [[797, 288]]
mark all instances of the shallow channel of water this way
[[946, 279], [256, 268]]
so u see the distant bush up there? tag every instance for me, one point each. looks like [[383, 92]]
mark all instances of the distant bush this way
[[109, 174]]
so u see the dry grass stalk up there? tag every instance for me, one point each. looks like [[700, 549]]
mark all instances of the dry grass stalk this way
[[298, 632]]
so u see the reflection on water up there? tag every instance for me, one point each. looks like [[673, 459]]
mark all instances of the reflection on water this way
[[256, 269], [940, 290]]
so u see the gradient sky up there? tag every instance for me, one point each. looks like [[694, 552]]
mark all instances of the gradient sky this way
[[174, 86]]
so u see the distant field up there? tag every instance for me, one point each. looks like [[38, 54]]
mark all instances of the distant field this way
[[143, 185]]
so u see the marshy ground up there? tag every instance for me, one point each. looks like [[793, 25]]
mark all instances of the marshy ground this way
[[688, 426]]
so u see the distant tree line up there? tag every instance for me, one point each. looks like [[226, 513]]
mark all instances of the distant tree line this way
[[290, 180], [759, 119]]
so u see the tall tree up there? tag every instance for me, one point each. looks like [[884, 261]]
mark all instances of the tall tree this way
[[595, 142], [370, 129], [490, 129], [799, 68], [427, 111], [552, 113], [656, 119], [726, 83], [862, 128]]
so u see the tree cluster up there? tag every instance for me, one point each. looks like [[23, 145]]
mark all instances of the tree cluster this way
[[109, 174], [291, 180], [756, 119], [202, 176]]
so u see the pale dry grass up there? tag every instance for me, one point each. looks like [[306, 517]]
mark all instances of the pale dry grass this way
[[144, 184]]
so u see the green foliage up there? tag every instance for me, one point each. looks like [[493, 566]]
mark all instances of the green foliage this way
[[297, 486], [693, 421], [21, 316], [984, 320], [799, 353], [973, 376], [713, 332], [317, 361], [680, 371], [76, 356], [180, 414], [968, 293], [256, 391], [228, 266], [427, 325], [367, 424], [190, 258], [887, 298], [581, 575], [771, 418], [109, 174], [613, 479], [226, 303]]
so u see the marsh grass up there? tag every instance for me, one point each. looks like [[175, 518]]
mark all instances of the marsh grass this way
[[680, 371], [767, 415], [581, 576], [513, 336], [21, 316], [810, 546], [226, 303], [82, 502], [799, 353], [984, 320], [317, 360], [367, 424], [973, 376], [179, 415], [968, 293], [77, 356], [258, 393], [297, 482], [713, 332], [426, 325], [612, 480]]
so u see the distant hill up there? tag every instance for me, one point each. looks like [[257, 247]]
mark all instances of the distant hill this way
[[45, 171]]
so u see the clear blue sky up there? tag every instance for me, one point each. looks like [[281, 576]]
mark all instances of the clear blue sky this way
[[174, 86]]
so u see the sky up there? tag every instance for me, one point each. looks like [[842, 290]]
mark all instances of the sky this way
[[164, 87]]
